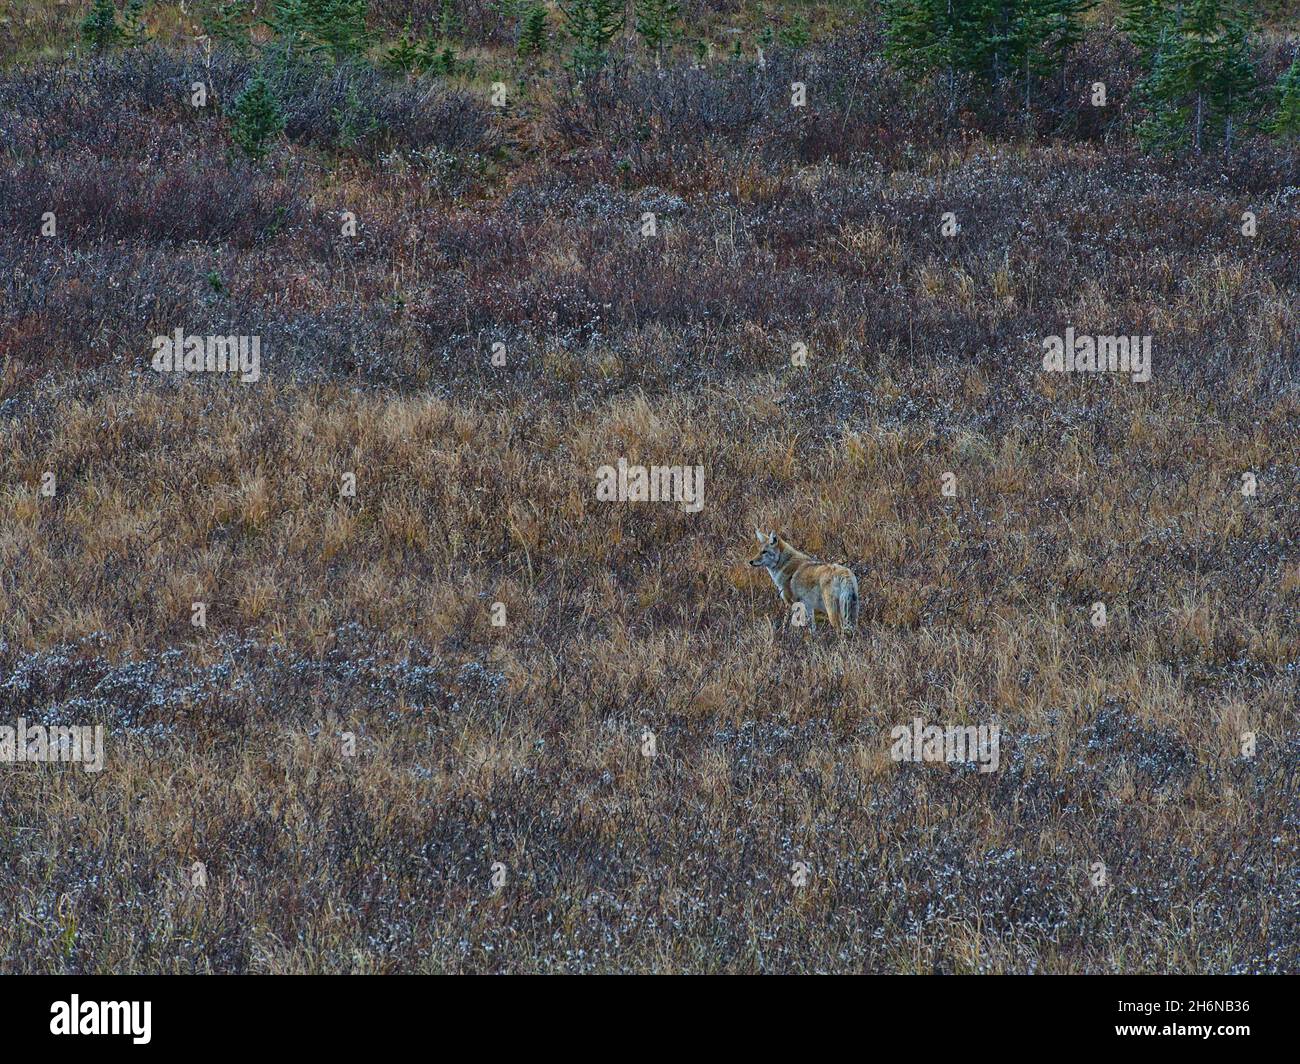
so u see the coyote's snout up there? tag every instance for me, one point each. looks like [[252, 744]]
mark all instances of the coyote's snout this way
[[827, 591]]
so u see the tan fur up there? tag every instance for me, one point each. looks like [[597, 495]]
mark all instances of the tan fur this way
[[828, 591]]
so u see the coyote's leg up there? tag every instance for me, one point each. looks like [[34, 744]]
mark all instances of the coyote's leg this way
[[832, 611]]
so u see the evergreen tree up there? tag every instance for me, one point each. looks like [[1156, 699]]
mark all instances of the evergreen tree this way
[[591, 24], [439, 56], [352, 122], [315, 27], [532, 32], [1202, 86], [448, 21], [1285, 122], [990, 40], [795, 35], [656, 23], [340, 26], [255, 119], [1146, 23], [404, 56], [290, 21], [227, 24], [442, 61], [1043, 31], [134, 30], [918, 35], [507, 10], [100, 28]]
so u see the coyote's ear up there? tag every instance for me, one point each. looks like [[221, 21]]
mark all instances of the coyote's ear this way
[[762, 539]]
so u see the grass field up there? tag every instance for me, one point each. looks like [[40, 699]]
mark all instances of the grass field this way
[[351, 768]]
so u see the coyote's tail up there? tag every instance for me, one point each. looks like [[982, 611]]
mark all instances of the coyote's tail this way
[[849, 608]]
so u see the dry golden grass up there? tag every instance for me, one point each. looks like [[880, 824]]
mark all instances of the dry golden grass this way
[[324, 776], [622, 617]]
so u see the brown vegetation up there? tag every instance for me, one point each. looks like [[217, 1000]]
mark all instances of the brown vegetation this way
[[522, 744]]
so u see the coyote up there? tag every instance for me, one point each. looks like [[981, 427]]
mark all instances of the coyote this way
[[826, 590]]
